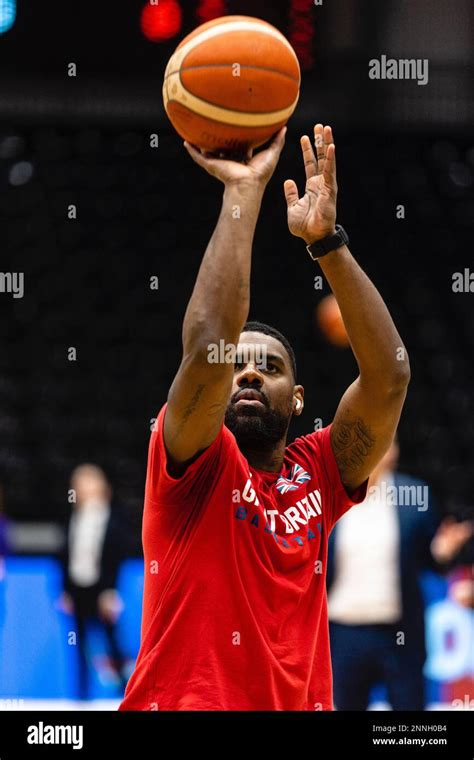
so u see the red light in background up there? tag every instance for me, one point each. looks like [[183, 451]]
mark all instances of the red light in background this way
[[162, 21], [209, 9], [301, 33]]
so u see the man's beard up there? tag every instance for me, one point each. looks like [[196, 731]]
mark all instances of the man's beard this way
[[257, 429]]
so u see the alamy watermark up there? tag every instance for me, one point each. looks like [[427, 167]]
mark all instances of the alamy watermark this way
[[12, 282], [400, 496], [229, 353], [401, 68], [463, 282], [48, 734]]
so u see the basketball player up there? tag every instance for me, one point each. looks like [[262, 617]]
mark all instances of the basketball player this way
[[236, 522]]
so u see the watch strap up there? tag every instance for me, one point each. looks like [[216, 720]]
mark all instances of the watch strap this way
[[330, 243]]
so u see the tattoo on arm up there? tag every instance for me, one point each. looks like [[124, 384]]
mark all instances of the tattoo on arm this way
[[352, 441], [190, 408], [217, 408]]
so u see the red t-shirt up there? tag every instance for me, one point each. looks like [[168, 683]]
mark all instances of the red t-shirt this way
[[234, 607]]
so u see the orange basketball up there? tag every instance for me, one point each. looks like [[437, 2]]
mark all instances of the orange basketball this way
[[231, 84], [329, 321]]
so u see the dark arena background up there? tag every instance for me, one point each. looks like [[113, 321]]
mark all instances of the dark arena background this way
[[107, 218]]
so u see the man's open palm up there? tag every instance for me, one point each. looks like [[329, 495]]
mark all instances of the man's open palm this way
[[313, 216]]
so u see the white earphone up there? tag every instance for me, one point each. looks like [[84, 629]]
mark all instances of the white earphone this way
[[298, 404]]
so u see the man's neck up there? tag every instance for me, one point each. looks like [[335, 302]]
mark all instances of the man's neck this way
[[271, 460]]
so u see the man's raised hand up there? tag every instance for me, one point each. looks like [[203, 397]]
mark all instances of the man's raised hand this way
[[313, 216], [256, 170]]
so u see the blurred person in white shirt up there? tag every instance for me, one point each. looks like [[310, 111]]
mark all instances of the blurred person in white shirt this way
[[377, 552]]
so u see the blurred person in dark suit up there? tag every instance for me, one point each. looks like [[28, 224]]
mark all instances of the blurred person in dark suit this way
[[453, 549], [94, 549], [375, 605]]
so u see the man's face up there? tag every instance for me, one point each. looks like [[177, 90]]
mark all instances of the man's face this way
[[263, 392], [90, 484]]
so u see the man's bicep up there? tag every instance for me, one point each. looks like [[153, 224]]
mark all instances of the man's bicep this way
[[363, 429], [196, 406]]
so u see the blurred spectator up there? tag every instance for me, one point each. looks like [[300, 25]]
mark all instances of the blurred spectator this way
[[94, 549], [376, 554], [453, 549]]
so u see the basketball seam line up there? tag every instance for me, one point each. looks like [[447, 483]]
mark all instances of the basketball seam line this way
[[222, 65], [216, 121]]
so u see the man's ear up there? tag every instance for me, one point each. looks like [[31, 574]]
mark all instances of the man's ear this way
[[298, 399]]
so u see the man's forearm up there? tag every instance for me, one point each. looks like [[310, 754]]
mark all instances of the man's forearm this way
[[220, 302], [377, 346]]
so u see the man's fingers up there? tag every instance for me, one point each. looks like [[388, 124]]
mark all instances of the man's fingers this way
[[269, 157], [279, 139], [327, 136], [329, 165], [320, 147], [276, 145], [291, 192], [329, 171], [309, 159], [206, 163], [195, 154]]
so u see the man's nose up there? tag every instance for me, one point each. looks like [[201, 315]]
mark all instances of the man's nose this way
[[250, 375]]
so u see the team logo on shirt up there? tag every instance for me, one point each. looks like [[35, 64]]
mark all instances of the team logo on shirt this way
[[297, 477]]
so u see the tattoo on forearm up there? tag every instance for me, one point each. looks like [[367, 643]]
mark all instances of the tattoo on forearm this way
[[352, 442]]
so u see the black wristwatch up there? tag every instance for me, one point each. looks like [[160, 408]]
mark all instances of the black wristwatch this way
[[328, 244]]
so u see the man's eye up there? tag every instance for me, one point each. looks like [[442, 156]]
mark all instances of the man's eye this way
[[238, 365], [268, 367]]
